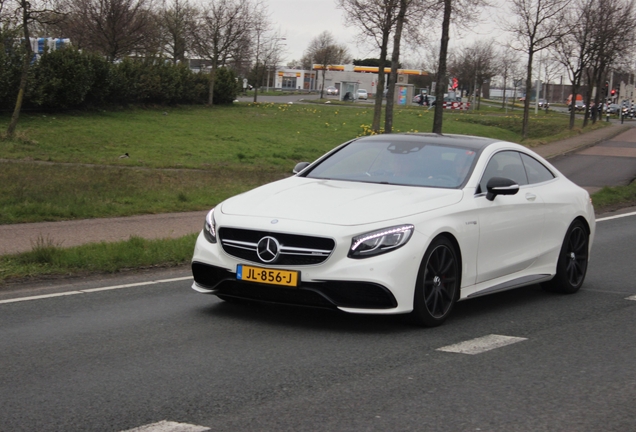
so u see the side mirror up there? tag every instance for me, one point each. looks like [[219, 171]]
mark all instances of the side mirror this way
[[500, 186], [300, 166]]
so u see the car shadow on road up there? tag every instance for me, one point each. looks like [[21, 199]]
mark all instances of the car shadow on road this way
[[491, 308]]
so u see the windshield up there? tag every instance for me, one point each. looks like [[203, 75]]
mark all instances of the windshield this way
[[402, 163]]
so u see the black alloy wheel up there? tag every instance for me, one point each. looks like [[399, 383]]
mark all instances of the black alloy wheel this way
[[438, 283], [572, 263]]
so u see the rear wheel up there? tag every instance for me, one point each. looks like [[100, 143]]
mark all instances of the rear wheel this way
[[572, 263], [437, 285]]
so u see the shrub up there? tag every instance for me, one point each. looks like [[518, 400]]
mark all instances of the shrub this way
[[10, 69], [225, 88], [61, 79]]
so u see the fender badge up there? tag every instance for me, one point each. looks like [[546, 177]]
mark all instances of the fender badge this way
[[275, 221]]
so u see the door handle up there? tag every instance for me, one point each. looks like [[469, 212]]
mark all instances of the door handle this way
[[531, 197]]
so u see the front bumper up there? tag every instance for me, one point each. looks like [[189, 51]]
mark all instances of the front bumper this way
[[325, 294], [378, 285]]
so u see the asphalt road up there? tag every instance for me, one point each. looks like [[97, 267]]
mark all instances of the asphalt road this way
[[612, 162], [122, 358]]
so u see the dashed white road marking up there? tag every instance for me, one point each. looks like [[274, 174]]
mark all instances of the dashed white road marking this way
[[631, 298], [168, 426], [482, 344], [92, 290]]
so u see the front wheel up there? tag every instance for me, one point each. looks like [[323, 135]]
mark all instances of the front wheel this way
[[437, 284], [572, 263]]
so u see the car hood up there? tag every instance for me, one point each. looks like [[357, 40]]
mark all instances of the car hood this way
[[337, 202]]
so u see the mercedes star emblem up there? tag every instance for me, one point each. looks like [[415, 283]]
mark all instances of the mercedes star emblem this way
[[268, 249]]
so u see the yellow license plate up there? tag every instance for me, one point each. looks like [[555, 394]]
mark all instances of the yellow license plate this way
[[267, 276]]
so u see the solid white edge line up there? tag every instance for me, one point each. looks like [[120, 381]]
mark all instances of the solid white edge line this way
[[45, 296], [92, 290], [481, 344], [615, 217]]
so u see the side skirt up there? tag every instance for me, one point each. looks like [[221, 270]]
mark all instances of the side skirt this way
[[512, 284]]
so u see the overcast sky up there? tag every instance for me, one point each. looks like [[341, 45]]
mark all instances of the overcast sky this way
[[302, 20]]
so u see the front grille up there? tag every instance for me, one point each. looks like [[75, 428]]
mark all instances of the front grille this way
[[295, 250]]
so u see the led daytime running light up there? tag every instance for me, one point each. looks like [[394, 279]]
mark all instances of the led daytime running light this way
[[400, 229]]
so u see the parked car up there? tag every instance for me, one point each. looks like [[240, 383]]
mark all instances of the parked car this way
[[400, 224], [332, 90], [544, 103], [362, 94]]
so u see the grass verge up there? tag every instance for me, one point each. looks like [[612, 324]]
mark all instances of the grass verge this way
[[614, 198], [47, 258]]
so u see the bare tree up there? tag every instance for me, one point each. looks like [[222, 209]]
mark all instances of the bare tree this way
[[395, 59], [508, 60], [461, 12], [267, 46], [375, 20], [176, 21], [324, 51], [536, 25], [475, 65], [223, 26], [113, 28], [28, 13], [611, 39], [409, 16], [272, 52]]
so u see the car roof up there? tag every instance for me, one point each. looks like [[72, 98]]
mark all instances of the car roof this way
[[471, 142]]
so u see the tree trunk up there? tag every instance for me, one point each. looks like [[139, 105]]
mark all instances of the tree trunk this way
[[395, 60], [322, 86], [574, 90], [441, 71], [256, 83], [212, 80], [377, 108], [28, 54], [505, 77], [526, 102]]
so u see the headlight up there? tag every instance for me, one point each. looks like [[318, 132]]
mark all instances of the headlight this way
[[379, 242], [209, 228]]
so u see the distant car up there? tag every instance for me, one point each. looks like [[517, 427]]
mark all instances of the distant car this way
[[399, 223], [544, 103], [612, 108], [578, 106], [332, 90], [362, 94]]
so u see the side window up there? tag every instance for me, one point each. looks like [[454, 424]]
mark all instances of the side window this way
[[537, 172], [505, 164]]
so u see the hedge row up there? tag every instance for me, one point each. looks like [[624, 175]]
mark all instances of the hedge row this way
[[69, 78]]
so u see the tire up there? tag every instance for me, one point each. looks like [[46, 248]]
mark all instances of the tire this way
[[572, 263], [437, 285]]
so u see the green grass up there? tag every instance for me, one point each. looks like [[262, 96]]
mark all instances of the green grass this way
[[613, 198], [68, 166], [48, 259]]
